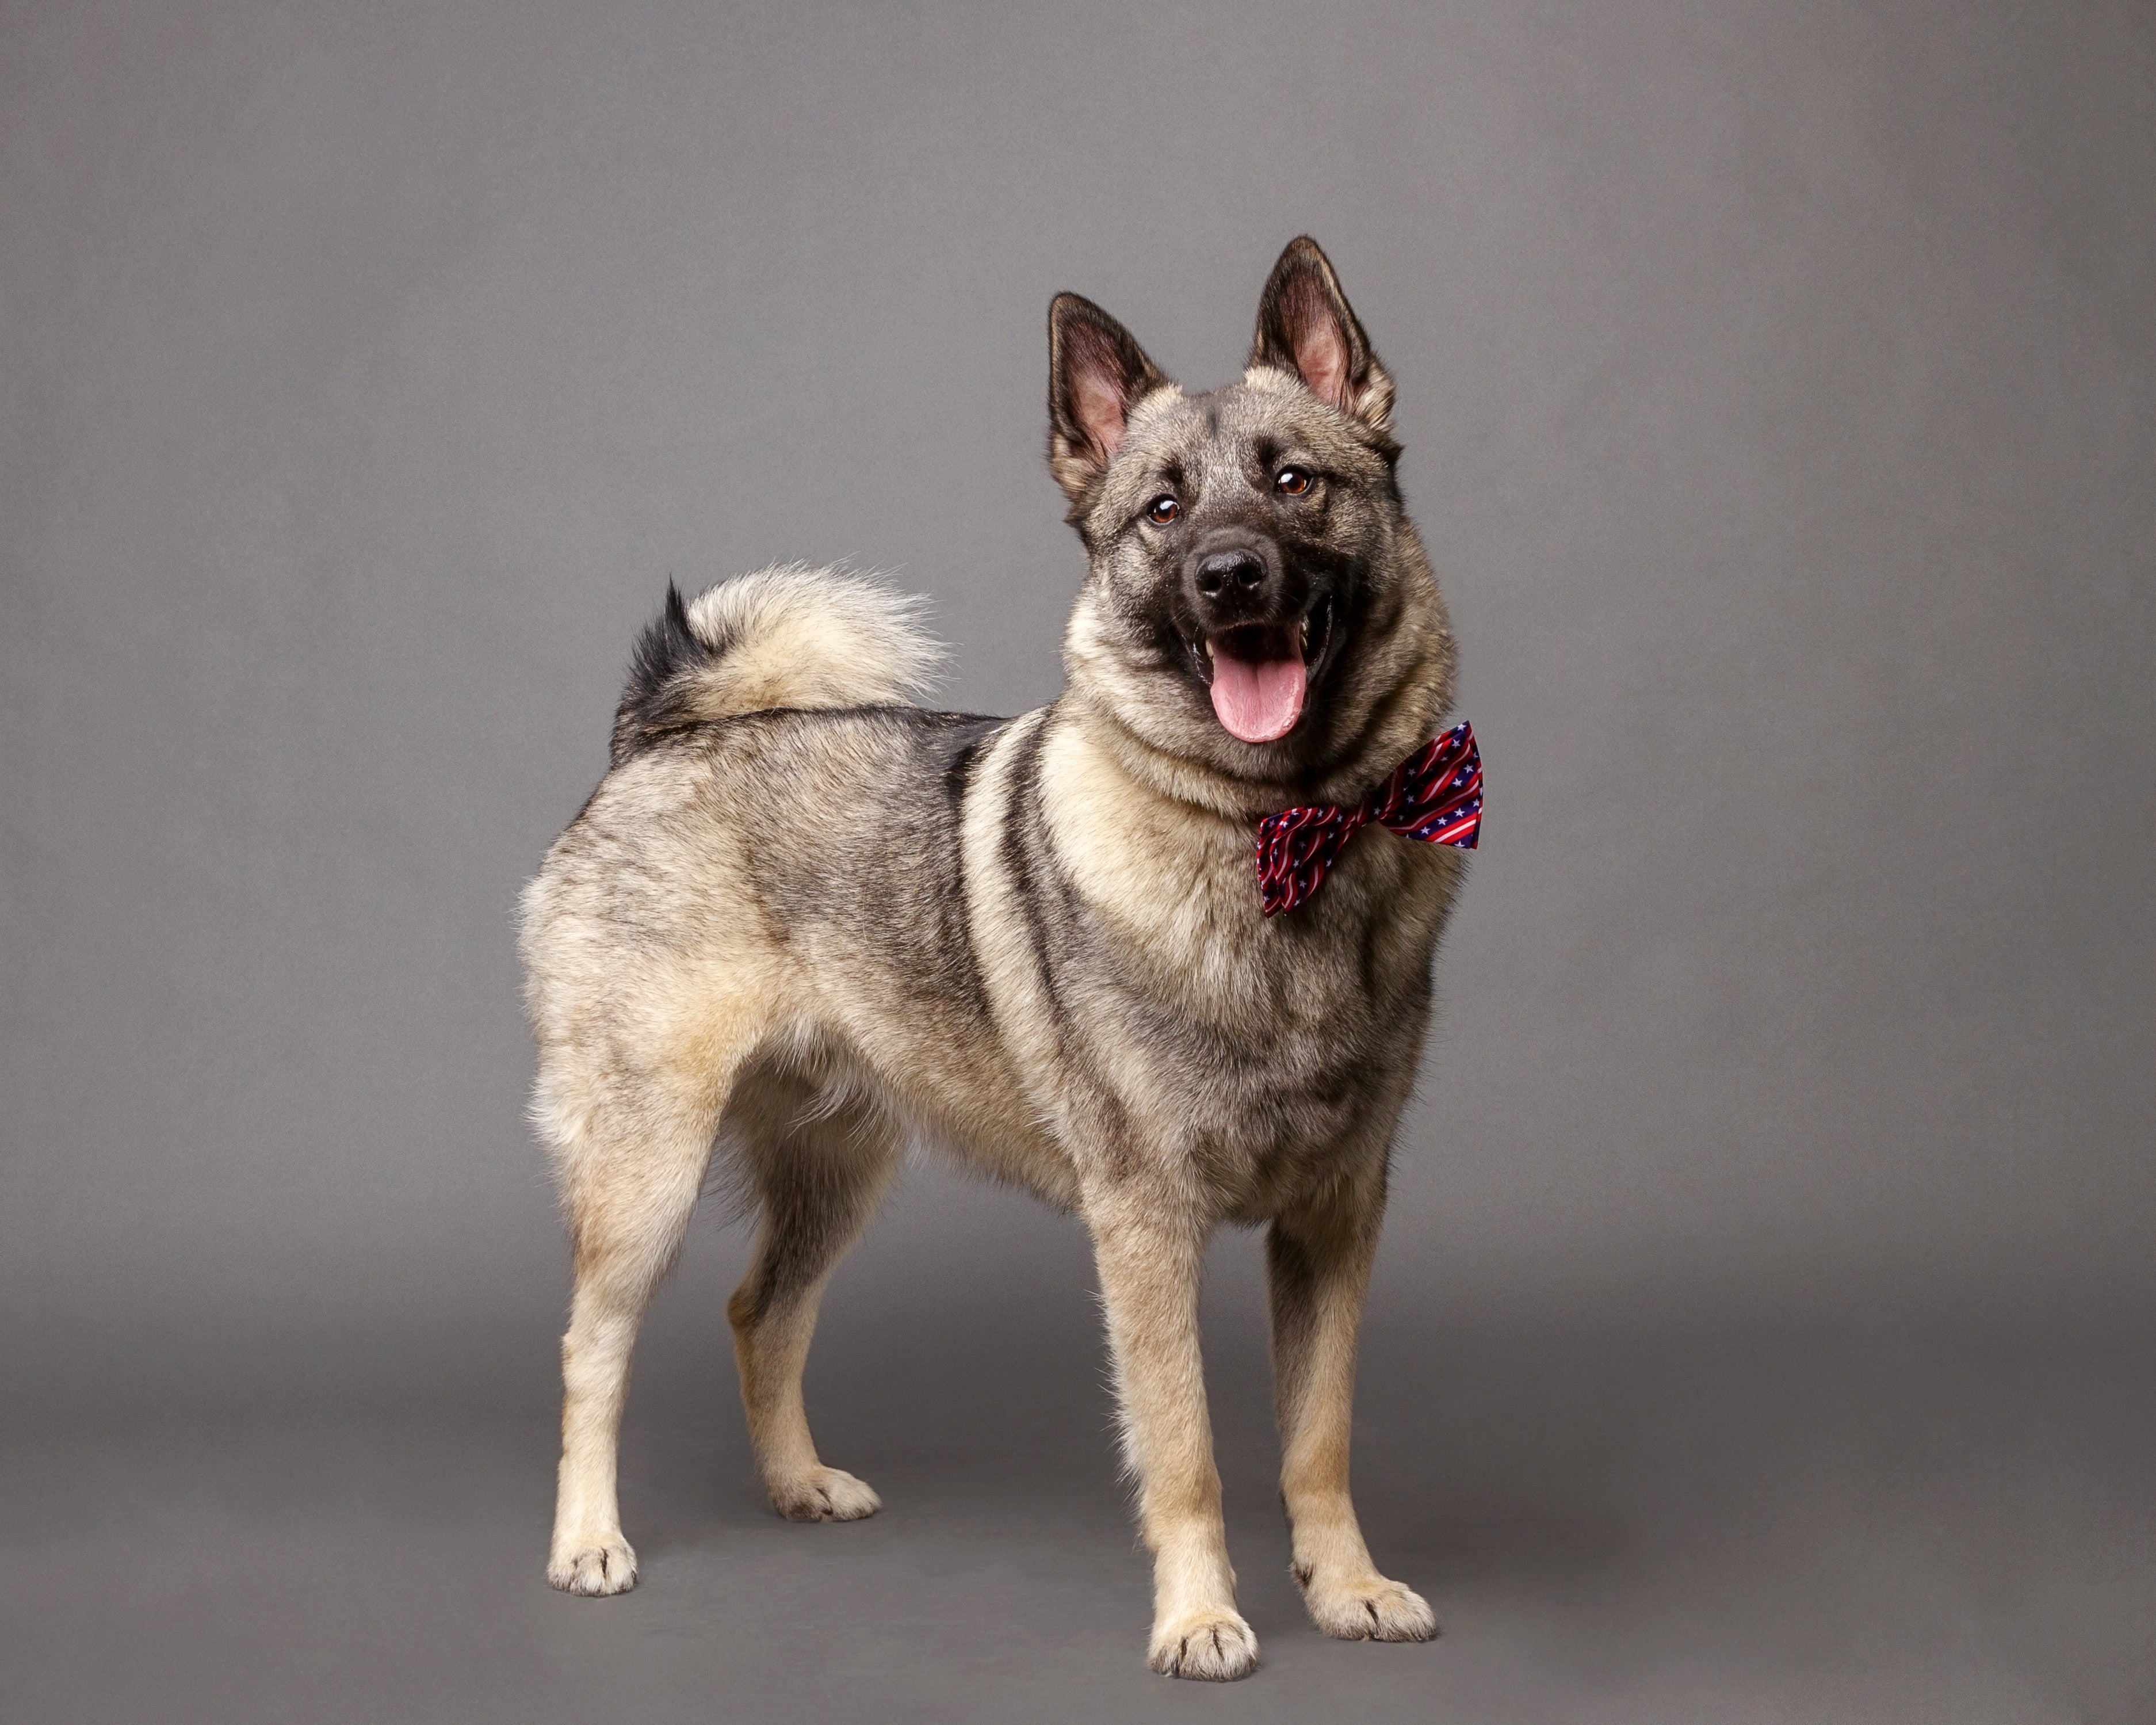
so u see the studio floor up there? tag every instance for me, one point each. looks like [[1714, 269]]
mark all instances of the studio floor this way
[[1740, 1516]]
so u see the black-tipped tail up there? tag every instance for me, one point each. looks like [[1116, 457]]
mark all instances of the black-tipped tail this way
[[788, 637], [657, 697]]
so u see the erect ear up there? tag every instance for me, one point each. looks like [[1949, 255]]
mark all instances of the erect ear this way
[[1096, 374], [1307, 327]]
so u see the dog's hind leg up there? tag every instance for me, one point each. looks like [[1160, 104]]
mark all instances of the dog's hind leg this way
[[632, 1164], [818, 1163]]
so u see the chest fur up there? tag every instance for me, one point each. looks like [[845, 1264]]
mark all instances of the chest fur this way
[[1248, 1039]]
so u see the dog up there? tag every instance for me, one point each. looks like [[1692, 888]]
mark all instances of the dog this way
[[805, 922]]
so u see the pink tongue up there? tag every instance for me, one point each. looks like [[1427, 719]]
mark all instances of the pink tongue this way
[[1258, 700]]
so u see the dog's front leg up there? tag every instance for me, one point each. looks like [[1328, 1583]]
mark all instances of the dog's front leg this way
[[1149, 1259], [1317, 1260]]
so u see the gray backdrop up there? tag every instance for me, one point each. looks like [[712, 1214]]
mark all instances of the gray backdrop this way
[[1766, 1305]]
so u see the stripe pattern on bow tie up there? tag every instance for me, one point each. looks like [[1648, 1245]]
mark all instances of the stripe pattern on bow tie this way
[[1434, 795]]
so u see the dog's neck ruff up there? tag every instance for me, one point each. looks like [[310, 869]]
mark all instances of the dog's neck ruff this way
[[1434, 795]]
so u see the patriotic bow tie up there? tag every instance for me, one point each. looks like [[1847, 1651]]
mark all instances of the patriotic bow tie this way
[[1434, 795]]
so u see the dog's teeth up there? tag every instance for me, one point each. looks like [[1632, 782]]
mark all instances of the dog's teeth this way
[[1306, 635], [1209, 650]]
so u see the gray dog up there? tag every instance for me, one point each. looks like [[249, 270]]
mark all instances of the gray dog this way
[[806, 921]]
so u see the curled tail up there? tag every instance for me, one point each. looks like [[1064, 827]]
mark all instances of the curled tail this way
[[788, 636]]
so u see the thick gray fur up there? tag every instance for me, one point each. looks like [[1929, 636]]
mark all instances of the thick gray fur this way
[[805, 920]]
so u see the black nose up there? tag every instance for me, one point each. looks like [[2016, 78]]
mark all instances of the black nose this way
[[1224, 569]]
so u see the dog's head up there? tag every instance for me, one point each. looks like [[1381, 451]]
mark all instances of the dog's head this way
[[1259, 613]]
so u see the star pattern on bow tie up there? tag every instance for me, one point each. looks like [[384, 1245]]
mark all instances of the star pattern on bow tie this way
[[1435, 795]]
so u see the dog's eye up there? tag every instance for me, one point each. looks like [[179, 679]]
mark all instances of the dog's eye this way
[[1293, 480], [1162, 509]]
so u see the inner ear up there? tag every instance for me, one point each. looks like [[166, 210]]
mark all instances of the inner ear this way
[[1320, 348], [1307, 327], [1100, 388], [1096, 374]]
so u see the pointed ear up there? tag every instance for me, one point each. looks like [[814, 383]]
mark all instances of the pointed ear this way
[[1096, 374], [1306, 328]]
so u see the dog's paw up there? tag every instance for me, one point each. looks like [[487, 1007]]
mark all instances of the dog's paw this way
[[827, 1494], [1367, 1608], [1216, 1646], [594, 1567]]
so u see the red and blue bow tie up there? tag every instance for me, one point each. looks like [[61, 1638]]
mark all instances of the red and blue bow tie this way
[[1434, 795]]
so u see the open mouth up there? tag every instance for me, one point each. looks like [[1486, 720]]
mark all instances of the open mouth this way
[[1259, 676]]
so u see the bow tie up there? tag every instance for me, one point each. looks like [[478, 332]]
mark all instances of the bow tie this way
[[1434, 795]]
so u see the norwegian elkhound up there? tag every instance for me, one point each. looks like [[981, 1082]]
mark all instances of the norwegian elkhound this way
[[805, 920]]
